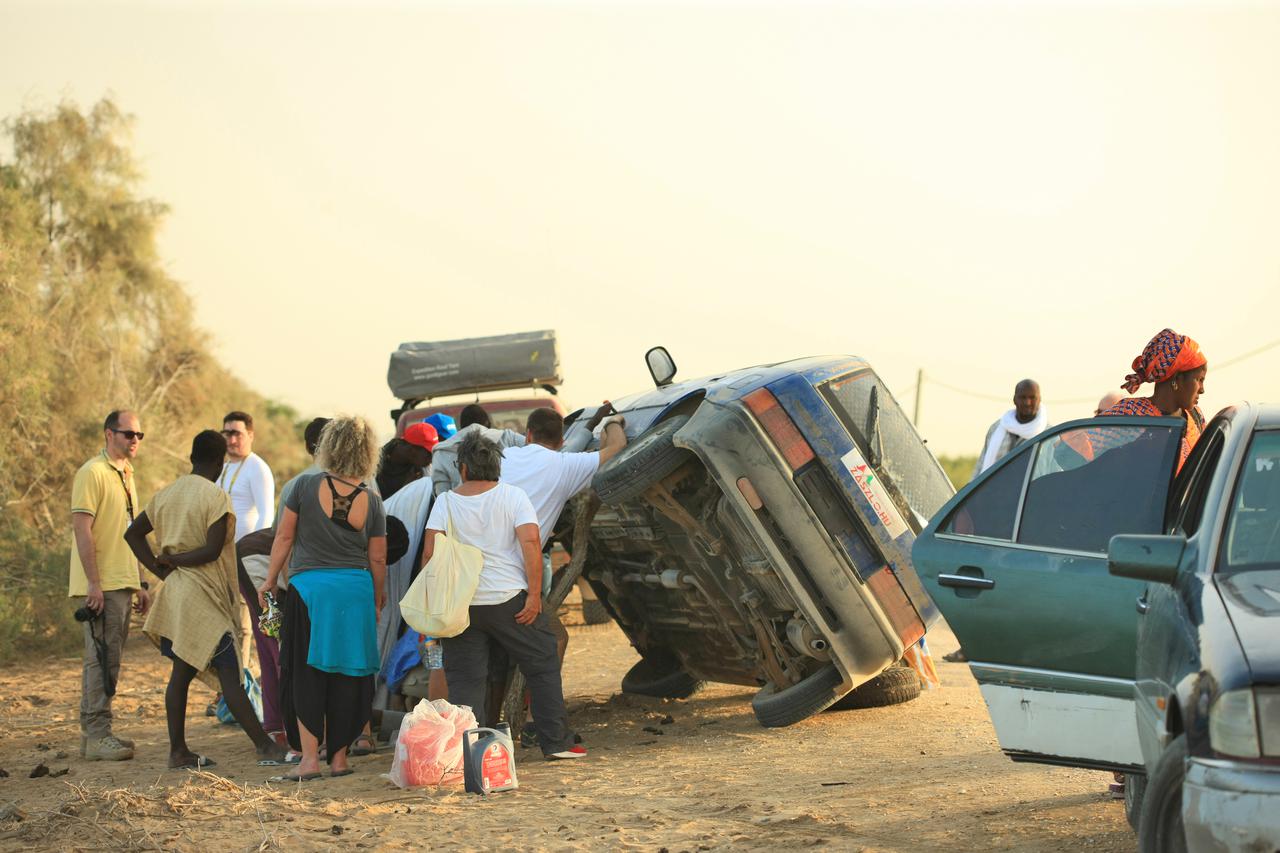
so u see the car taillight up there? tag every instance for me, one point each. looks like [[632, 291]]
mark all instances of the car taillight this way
[[778, 424]]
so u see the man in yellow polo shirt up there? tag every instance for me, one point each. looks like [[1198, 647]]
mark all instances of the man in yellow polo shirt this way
[[107, 575]]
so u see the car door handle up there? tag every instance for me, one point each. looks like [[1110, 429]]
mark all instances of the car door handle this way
[[965, 582], [1142, 605]]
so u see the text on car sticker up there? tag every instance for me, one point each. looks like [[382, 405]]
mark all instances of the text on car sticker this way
[[869, 484]]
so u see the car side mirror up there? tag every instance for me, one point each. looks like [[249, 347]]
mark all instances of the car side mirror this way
[[1146, 558], [661, 366]]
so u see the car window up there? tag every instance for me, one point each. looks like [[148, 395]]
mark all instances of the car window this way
[[991, 509], [1192, 485], [905, 464], [1253, 531], [1092, 483]]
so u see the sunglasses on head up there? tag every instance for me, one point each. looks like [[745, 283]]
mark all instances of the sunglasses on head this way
[[127, 433]]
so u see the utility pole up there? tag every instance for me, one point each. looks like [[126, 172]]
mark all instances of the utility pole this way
[[915, 415]]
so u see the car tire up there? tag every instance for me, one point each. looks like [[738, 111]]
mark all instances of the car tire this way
[[641, 463], [776, 708], [1160, 821], [895, 685], [1135, 789], [652, 678], [594, 612]]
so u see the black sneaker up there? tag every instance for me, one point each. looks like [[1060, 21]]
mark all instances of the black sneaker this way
[[529, 736]]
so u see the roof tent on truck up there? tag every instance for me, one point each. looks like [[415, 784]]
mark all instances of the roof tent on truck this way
[[429, 369]]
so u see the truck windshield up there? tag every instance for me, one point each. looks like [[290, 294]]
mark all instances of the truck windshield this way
[[861, 399], [1253, 533]]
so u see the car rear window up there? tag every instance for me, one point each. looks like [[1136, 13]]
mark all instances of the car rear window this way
[[1253, 532], [900, 456]]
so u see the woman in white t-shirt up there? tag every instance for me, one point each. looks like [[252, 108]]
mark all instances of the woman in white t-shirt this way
[[507, 607]]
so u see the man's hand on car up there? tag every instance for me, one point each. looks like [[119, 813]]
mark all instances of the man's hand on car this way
[[600, 414]]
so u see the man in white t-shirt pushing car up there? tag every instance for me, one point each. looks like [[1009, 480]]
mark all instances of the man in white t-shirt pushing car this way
[[550, 476], [506, 610]]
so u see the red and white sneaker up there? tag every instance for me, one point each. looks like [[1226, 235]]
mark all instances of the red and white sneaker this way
[[575, 751]]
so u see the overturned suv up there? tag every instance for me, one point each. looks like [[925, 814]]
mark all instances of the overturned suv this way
[[757, 529]]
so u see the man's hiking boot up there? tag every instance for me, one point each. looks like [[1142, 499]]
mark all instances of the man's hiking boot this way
[[109, 748], [124, 741]]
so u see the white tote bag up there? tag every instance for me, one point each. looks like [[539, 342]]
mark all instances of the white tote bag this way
[[437, 601]]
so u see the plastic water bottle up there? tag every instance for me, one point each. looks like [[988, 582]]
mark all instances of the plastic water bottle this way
[[434, 657]]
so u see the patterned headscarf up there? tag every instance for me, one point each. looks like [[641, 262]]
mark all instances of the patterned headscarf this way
[[1167, 355]]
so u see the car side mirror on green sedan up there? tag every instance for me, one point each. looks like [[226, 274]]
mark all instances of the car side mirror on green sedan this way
[[1146, 558]]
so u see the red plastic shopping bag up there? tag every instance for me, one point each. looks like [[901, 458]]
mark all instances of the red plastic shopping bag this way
[[429, 749]]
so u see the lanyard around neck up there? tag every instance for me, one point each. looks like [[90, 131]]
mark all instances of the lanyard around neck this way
[[128, 496], [239, 468]]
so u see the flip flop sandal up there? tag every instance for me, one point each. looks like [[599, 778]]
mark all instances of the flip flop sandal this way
[[367, 748], [275, 762], [336, 773], [295, 777], [200, 763]]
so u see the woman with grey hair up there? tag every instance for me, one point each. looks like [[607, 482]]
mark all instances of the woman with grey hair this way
[[499, 519], [334, 534]]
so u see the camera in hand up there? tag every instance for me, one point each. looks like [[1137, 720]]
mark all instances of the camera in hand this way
[[84, 614]]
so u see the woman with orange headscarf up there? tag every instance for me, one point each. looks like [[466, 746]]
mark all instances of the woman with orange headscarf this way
[[1177, 367]]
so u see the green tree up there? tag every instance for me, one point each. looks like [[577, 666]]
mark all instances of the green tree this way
[[959, 468], [90, 322]]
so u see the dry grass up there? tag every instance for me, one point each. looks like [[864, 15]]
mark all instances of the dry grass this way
[[93, 817]]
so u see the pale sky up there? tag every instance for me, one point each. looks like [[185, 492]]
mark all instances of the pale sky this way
[[984, 191]]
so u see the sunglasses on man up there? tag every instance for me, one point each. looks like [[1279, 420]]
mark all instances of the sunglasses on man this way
[[232, 433], [127, 433]]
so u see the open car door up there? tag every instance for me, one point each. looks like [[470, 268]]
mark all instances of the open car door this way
[[1017, 563]]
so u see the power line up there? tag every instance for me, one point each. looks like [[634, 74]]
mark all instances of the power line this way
[[999, 399], [1229, 362], [978, 394]]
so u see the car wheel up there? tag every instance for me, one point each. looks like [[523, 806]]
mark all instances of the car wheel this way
[[1160, 821], [776, 708], [1135, 789], [641, 463], [895, 685], [594, 612], [653, 678]]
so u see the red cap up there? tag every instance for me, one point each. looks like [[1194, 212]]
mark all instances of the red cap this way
[[422, 434]]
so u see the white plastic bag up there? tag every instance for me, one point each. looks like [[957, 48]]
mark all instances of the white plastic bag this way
[[429, 745], [436, 604]]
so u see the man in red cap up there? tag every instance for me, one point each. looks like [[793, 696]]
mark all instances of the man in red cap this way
[[406, 458]]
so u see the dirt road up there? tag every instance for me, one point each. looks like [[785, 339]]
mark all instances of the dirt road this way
[[923, 776]]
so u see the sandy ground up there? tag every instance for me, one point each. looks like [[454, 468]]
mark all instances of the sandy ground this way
[[922, 776]]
